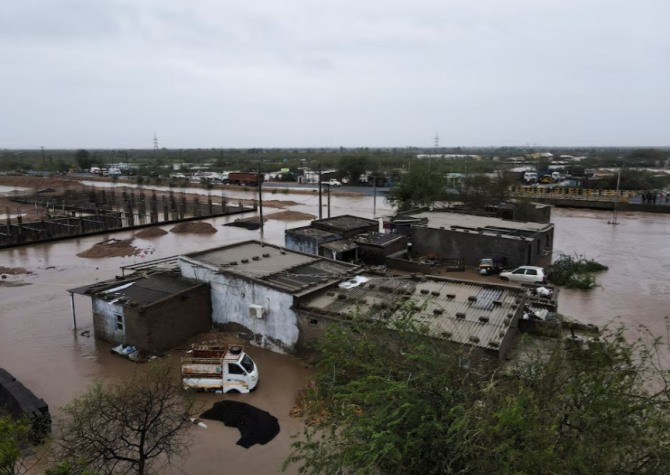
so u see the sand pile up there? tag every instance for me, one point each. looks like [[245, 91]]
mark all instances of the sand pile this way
[[291, 216], [151, 233], [278, 203], [13, 270], [111, 248], [193, 227]]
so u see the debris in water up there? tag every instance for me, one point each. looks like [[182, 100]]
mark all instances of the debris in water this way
[[255, 425]]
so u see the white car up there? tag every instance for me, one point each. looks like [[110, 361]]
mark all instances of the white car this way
[[332, 182], [531, 274]]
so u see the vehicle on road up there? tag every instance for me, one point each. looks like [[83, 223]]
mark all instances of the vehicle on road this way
[[226, 369], [332, 182], [530, 274], [492, 265], [242, 178]]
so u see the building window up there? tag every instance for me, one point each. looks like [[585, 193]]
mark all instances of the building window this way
[[119, 322]]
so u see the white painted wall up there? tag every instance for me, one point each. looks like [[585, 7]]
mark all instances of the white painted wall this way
[[108, 322], [231, 297]]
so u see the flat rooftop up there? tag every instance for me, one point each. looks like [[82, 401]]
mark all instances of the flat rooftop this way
[[377, 239], [346, 222], [291, 271], [308, 231], [467, 221], [460, 311], [341, 245]]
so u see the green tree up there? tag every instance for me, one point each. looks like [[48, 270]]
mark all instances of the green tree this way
[[132, 426], [596, 408], [83, 159], [388, 398], [352, 167], [422, 186], [14, 437]]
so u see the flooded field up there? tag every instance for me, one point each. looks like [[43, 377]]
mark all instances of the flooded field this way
[[38, 346]]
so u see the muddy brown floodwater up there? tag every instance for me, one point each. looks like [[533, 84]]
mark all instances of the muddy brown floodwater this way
[[38, 346]]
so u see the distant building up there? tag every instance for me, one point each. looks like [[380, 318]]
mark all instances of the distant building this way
[[468, 237]]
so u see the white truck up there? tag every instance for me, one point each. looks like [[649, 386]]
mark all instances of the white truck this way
[[226, 369]]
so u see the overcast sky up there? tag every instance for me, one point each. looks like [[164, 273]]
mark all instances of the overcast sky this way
[[310, 73]]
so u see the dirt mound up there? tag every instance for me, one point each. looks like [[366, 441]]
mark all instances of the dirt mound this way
[[278, 203], [151, 233], [255, 426], [194, 227], [111, 248], [291, 216], [13, 270]]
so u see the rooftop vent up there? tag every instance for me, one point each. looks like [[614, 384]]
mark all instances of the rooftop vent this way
[[438, 311], [460, 315], [483, 319], [472, 298], [435, 293], [494, 343], [446, 334], [501, 333], [245, 261], [497, 303], [474, 338], [256, 258], [424, 291], [267, 254], [451, 296]]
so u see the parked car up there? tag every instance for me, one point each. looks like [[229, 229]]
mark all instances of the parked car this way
[[332, 182], [531, 274]]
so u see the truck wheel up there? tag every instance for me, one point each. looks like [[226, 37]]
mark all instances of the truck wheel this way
[[233, 391], [504, 278]]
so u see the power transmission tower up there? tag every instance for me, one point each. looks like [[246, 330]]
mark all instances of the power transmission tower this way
[[155, 142]]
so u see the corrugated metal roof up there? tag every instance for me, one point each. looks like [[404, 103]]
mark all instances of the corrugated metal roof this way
[[463, 312], [143, 290]]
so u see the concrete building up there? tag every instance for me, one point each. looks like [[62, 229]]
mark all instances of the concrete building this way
[[346, 226], [483, 317], [346, 238], [150, 311], [254, 287], [445, 235], [308, 239]]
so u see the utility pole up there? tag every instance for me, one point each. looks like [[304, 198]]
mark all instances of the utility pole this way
[[328, 202], [320, 210], [374, 196], [260, 197]]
